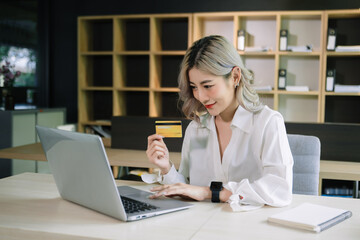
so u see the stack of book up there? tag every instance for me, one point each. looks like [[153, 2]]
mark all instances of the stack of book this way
[[353, 48], [346, 88], [258, 49], [262, 88], [297, 88], [306, 48]]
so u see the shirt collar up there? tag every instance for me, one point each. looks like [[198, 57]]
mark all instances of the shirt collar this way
[[243, 119]]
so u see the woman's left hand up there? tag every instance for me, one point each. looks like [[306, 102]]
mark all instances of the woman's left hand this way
[[183, 190]]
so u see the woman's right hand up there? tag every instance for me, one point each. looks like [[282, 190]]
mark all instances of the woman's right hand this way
[[158, 153]]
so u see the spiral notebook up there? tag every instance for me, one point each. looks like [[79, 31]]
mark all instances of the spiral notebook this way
[[311, 217]]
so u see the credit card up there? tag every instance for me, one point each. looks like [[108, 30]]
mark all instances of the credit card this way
[[169, 129]]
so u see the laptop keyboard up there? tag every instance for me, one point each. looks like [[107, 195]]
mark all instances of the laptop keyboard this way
[[133, 206]]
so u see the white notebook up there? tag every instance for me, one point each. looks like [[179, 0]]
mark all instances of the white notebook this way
[[311, 217]]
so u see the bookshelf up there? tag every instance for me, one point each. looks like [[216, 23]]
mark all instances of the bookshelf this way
[[262, 31], [131, 59], [127, 60], [342, 107]]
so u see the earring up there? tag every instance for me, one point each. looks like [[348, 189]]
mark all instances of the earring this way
[[237, 84]]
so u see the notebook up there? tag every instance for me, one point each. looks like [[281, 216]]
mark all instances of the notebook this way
[[83, 175], [311, 217]]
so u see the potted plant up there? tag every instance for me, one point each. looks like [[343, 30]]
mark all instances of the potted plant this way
[[9, 74]]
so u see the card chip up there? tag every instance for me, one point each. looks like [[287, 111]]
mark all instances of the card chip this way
[[169, 129]]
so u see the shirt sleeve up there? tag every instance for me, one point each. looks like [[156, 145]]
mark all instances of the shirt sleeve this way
[[182, 176], [274, 187]]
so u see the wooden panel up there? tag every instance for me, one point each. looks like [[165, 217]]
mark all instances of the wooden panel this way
[[132, 133]]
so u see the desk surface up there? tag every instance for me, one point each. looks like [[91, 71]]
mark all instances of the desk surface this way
[[31, 208], [137, 158], [117, 157]]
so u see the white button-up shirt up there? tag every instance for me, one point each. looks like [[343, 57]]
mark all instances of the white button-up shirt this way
[[256, 164]]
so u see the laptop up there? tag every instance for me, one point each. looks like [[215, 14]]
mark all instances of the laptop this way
[[83, 175]]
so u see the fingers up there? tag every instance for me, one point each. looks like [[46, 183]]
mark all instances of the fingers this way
[[156, 151], [154, 137], [156, 147], [168, 190]]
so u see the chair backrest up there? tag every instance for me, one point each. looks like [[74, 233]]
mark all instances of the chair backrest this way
[[306, 154]]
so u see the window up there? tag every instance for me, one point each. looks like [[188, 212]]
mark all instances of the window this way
[[19, 45]]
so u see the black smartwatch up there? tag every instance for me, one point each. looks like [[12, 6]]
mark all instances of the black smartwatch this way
[[215, 188]]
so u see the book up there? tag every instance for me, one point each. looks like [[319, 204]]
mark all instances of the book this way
[[331, 39], [346, 88], [257, 49], [311, 217], [262, 88], [283, 39], [306, 48], [241, 40], [353, 48], [282, 79], [330, 80], [297, 88]]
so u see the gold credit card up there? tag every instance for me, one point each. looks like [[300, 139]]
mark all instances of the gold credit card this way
[[169, 129]]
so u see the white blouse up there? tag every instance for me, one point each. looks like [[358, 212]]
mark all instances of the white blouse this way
[[256, 164]]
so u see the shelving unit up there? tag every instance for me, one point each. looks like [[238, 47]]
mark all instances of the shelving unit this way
[[262, 30], [342, 107], [130, 59]]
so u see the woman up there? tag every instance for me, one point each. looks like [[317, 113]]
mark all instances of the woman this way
[[234, 144]]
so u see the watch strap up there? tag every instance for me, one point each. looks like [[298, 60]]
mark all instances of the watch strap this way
[[215, 196]]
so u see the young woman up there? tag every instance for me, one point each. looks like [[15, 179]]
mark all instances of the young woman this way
[[235, 150]]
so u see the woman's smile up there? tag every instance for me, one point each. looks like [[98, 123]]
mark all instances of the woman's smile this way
[[209, 105]]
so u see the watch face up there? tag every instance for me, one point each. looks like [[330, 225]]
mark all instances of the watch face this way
[[216, 185]]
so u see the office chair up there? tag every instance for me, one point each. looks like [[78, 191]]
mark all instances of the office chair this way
[[306, 154]]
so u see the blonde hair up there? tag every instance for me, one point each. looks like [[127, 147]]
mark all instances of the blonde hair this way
[[215, 55]]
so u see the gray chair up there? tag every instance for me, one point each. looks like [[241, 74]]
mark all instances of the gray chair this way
[[306, 154]]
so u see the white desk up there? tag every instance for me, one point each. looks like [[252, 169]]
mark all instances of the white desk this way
[[30, 208]]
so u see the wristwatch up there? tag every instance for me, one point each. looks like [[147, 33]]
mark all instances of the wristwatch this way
[[215, 188]]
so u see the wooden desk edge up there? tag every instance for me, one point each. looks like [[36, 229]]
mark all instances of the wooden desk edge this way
[[117, 157]]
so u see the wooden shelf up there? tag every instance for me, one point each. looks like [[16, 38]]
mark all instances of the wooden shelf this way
[[342, 93], [245, 53], [303, 54], [97, 88], [341, 107], [175, 53], [309, 93], [342, 54], [137, 59], [96, 53], [165, 89], [133, 89], [101, 123], [132, 52], [128, 64]]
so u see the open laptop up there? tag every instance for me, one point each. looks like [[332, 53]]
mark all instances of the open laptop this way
[[83, 175]]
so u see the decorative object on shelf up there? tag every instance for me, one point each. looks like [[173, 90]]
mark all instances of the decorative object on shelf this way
[[331, 43], [9, 74], [241, 40], [282, 79], [283, 40], [330, 80]]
